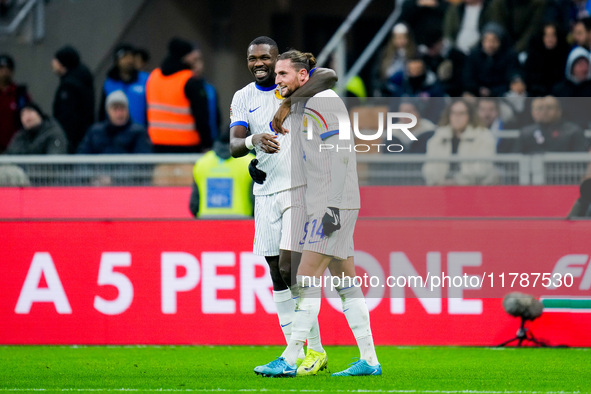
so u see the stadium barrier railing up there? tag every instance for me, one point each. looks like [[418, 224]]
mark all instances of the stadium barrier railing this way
[[373, 169]]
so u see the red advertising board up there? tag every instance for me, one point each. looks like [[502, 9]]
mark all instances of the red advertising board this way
[[377, 201], [196, 282]]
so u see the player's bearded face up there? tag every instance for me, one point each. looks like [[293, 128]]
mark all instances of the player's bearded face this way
[[261, 63], [287, 78]]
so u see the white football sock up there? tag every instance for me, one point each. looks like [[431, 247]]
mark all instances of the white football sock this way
[[367, 350], [292, 350], [357, 315], [313, 337], [285, 306], [306, 315]]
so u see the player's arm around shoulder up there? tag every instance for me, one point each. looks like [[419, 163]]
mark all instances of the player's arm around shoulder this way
[[320, 79]]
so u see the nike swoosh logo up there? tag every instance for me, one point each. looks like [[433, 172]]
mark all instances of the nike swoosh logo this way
[[287, 372], [345, 310], [312, 367], [285, 325], [252, 110], [334, 221]]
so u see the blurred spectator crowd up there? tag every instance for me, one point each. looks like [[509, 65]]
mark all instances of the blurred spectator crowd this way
[[471, 69], [171, 109]]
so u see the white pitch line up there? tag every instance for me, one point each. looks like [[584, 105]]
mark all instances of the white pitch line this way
[[299, 391]]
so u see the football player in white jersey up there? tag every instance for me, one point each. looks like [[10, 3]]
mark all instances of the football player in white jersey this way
[[332, 206], [279, 191]]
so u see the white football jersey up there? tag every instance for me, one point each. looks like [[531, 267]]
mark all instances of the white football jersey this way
[[322, 111], [253, 107]]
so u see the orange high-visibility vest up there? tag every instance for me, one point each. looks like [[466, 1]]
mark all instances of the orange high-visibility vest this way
[[169, 112]]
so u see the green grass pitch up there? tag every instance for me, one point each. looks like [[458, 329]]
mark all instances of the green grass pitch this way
[[229, 369]]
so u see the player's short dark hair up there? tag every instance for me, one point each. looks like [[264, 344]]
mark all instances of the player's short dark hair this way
[[299, 59], [264, 40]]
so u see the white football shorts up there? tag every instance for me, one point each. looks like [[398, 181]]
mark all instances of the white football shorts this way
[[339, 244], [279, 220]]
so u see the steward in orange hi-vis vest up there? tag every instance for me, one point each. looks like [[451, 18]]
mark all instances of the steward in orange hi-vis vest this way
[[169, 112], [177, 102]]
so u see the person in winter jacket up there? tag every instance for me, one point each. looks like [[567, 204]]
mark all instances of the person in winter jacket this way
[[124, 76], [550, 132], [39, 135], [178, 107], [118, 134], [576, 81], [460, 135], [13, 98], [73, 104], [489, 67], [575, 88], [546, 59]]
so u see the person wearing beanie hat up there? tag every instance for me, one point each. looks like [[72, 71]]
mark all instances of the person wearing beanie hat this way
[[73, 103], [178, 109], [489, 66], [118, 134], [32, 106], [178, 48], [67, 57], [12, 98], [124, 76], [116, 97], [39, 135]]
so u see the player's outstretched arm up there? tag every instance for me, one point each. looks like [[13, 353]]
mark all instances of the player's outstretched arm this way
[[320, 80]]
